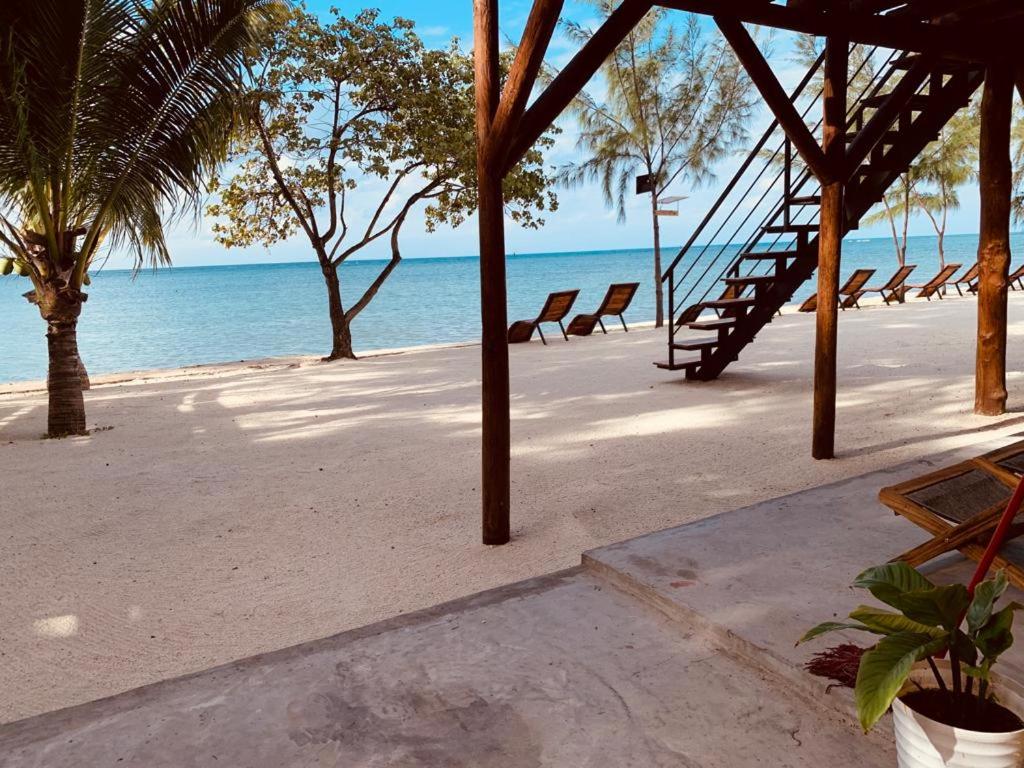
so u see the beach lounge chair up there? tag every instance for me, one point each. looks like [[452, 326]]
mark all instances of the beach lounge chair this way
[[931, 288], [970, 276], [616, 301], [1015, 278], [959, 506], [893, 289], [851, 291], [555, 309]]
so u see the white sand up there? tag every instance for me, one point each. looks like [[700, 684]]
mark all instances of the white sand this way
[[232, 510]]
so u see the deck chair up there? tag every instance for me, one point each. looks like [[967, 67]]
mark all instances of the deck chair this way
[[848, 294], [970, 276], [555, 309], [931, 288], [893, 290], [616, 301], [1015, 279], [960, 505], [690, 315]]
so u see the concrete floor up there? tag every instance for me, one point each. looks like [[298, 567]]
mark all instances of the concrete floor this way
[[674, 649]]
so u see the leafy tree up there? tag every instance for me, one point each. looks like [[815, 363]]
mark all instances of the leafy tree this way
[[897, 209], [946, 164], [677, 101], [115, 111], [1018, 163], [338, 110]]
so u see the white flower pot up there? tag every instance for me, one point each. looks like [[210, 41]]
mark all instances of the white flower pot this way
[[925, 743]]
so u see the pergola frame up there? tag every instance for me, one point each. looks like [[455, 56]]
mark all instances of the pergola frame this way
[[971, 30]]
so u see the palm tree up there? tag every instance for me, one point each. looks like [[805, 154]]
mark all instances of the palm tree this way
[[677, 102], [114, 113]]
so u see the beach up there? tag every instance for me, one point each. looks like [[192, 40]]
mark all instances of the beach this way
[[222, 511]]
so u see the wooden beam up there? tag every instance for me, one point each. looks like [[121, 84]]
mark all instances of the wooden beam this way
[[777, 99], [496, 443], [995, 181], [533, 46], [830, 240], [868, 29], [571, 80]]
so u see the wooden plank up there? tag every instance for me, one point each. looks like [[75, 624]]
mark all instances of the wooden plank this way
[[570, 81], [776, 98], [995, 182], [533, 46], [496, 444], [830, 239]]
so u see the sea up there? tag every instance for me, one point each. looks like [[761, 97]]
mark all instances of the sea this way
[[181, 316]]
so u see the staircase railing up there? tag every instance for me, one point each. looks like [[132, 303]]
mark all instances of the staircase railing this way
[[759, 195]]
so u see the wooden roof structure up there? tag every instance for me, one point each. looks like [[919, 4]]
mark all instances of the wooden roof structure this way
[[987, 33]]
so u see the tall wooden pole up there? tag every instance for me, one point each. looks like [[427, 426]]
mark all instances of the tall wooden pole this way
[[995, 180], [493, 310], [830, 239]]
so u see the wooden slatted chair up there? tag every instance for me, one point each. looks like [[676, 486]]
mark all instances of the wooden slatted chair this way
[[1016, 278], [970, 276], [851, 291], [960, 505], [555, 309], [616, 302], [894, 289], [934, 286]]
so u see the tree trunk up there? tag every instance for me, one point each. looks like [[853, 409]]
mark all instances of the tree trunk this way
[[995, 180], [341, 330], [659, 299], [60, 308]]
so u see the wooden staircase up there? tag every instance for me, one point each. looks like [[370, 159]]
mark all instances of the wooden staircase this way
[[772, 208]]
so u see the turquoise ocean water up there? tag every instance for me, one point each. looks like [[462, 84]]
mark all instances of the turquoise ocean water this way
[[189, 315]]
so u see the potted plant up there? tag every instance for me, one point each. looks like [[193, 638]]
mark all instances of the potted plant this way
[[946, 713]]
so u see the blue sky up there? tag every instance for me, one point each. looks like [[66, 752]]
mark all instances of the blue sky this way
[[582, 221]]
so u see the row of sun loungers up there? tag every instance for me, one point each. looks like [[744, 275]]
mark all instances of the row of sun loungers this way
[[559, 304], [897, 287]]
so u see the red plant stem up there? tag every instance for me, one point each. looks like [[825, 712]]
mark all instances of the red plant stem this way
[[998, 536]]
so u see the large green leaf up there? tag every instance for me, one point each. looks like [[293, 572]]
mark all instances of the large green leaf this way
[[832, 626], [996, 637], [888, 623], [890, 581], [985, 596], [885, 668], [938, 606]]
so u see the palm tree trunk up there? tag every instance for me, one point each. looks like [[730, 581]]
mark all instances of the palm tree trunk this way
[[61, 308], [659, 301], [341, 330]]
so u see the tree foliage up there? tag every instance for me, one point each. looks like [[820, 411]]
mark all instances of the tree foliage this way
[[676, 103], [351, 123]]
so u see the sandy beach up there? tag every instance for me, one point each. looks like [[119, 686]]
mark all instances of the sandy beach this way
[[224, 511]]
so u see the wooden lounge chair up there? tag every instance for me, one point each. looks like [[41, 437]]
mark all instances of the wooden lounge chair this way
[[555, 309], [1016, 278], [615, 302], [960, 505], [931, 288], [893, 289], [848, 294], [970, 276]]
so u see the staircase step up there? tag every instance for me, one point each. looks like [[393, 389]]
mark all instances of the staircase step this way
[[769, 255], [695, 345], [679, 365], [917, 102], [740, 303], [713, 325], [751, 280], [889, 137], [907, 60], [805, 200], [781, 229]]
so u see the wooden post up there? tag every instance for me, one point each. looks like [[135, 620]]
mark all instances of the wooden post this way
[[830, 239], [995, 181], [493, 309]]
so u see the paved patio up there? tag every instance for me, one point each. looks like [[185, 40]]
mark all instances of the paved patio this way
[[674, 649]]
